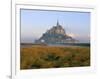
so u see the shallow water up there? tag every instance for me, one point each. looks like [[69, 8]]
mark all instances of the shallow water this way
[[70, 44]]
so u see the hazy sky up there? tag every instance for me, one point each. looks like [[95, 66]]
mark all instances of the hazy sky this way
[[35, 22]]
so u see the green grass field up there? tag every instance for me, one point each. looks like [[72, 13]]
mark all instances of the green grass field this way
[[37, 57]]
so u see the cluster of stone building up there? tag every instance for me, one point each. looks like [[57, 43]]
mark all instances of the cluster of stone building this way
[[55, 35]]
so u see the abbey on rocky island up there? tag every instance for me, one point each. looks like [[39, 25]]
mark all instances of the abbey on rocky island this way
[[55, 35]]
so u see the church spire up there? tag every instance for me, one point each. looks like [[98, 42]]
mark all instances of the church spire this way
[[57, 23]]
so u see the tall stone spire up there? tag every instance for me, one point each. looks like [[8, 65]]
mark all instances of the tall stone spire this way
[[57, 23]]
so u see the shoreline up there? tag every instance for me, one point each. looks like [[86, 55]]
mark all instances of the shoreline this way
[[54, 45]]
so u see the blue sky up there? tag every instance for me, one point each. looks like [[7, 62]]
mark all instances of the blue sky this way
[[35, 22]]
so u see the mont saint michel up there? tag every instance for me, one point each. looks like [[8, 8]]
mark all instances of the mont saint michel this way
[[56, 35], [54, 39]]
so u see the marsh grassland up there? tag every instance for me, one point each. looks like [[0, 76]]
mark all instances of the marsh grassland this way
[[37, 57]]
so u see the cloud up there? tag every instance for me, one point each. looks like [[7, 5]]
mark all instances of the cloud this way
[[73, 35], [81, 38]]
